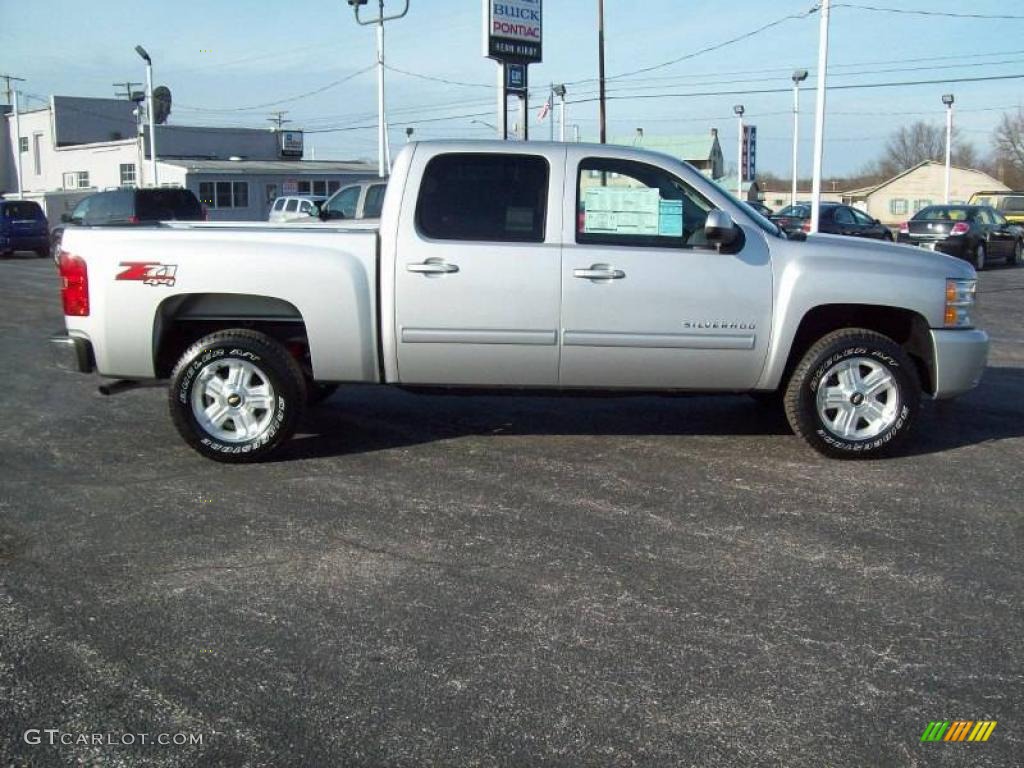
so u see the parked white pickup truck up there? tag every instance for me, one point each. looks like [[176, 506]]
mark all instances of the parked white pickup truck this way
[[532, 266]]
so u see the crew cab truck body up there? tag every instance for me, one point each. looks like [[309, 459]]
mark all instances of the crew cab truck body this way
[[535, 267]]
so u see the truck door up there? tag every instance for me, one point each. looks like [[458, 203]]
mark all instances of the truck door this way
[[646, 302], [477, 270]]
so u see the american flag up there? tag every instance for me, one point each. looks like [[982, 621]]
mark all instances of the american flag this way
[[544, 110]]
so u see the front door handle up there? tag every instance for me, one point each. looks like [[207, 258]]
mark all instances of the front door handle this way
[[599, 272], [432, 268]]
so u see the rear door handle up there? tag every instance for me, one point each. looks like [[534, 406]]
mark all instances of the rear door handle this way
[[432, 268], [599, 272]]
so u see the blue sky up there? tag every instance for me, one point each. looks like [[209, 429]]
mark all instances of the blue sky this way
[[220, 56]]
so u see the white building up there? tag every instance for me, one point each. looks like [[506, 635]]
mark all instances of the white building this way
[[76, 146]]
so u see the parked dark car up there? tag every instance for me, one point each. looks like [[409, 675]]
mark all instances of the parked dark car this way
[[128, 207], [833, 219], [976, 233], [23, 227], [760, 207]]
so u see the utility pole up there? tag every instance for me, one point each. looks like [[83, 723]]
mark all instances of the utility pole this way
[[383, 153], [17, 142], [278, 119], [8, 90], [600, 68], [798, 77], [948, 100], [127, 85], [560, 93], [819, 114], [738, 109]]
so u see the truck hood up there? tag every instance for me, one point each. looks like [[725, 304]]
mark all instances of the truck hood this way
[[886, 257]]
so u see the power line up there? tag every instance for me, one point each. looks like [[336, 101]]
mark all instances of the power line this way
[[915, 12], [314, 92], [8, 90], [437, 79]]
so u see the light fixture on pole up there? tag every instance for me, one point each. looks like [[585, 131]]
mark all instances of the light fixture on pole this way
[[383, 153], [150, 114], [560, 93], [819, 114], [738, 110], [948, 100], [799, 76]]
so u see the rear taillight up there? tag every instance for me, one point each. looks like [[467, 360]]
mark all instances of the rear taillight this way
[[206, 213], [133, 219], [960, 228], [806, 226], [74, 285], [905, 228]]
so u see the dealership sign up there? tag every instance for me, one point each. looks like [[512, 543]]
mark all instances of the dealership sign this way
[[512, 30], [290, 143]]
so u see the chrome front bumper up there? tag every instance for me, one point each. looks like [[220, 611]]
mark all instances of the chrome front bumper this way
[[960, 357], [71, 353]]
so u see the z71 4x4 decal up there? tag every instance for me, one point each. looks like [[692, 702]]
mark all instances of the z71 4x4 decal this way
[[148, 272]]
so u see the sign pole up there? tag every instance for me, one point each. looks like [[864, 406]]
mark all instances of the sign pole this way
[[512, 37]]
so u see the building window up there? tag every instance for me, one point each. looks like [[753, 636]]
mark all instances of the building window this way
[[320, 188], [898, 206], [37, 157], [919, 204], [305, 188], [224, 194], [127, 174], [76, 180], [333, 186], [23, 143]]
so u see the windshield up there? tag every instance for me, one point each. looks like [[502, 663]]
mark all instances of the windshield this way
[[942, 213], [796, 211]]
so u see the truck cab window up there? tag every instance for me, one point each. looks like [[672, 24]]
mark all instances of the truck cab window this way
[[623, 202], [486, 197]]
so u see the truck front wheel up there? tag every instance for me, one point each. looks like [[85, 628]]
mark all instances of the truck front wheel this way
[[236, 395], [855, 394]]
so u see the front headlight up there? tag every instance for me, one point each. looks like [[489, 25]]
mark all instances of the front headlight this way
[[960, 301]]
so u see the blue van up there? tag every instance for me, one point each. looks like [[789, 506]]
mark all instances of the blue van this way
[[23, 227]]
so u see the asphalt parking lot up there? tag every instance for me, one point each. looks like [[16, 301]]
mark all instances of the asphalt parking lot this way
[[504, 581]]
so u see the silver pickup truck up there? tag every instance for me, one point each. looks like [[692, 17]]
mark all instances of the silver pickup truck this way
[[530, 266]]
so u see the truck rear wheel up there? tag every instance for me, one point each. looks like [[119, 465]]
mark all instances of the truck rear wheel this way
[[236, 395], [855, 394]]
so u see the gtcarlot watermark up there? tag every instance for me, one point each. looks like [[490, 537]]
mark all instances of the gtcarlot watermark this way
[[55, 737]]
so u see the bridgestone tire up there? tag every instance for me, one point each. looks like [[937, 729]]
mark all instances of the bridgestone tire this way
[[1018, 254], [268, 363], [847, 346]]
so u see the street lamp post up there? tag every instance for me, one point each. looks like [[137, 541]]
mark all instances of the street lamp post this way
[[738, 109], [150, 113], [947, 99], [383, 150], [799, 76]]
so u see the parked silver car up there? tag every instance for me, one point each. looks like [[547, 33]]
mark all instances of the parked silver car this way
[[295, 208]]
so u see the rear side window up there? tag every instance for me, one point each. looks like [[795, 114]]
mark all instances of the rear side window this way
[[490, 197], [1013, 205], [292, 206], [374, 201], [21, 209], [167, 205], [279, 204]]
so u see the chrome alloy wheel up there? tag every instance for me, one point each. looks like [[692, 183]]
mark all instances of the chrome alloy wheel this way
[[858, 399], [233, 400]]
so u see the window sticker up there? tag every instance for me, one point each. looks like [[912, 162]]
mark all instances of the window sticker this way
[[620, 211]]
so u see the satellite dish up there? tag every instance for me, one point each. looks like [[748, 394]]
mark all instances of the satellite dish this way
[[161, 104]]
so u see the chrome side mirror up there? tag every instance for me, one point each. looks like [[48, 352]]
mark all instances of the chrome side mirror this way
[[720, 229]]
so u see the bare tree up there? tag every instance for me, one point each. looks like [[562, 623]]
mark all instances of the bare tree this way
[[1009, 142], [920, 141]]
